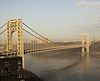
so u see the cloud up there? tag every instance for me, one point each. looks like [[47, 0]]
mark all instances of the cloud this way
[[89, 4]]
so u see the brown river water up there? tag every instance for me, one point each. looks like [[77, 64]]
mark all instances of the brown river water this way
[[64, 65]]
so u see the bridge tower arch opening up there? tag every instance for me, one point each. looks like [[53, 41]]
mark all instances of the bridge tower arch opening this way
[[15, 25], [85, 44]]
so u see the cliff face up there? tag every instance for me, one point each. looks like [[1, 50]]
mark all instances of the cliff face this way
[[95, 47], [29, 76]]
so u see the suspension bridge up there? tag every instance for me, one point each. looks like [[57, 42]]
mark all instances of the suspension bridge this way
[[18, 38]]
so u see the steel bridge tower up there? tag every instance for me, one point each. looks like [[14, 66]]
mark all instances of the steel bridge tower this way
[[85, 44], [15, 25]]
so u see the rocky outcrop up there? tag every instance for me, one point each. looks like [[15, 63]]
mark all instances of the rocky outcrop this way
[[29, 76]]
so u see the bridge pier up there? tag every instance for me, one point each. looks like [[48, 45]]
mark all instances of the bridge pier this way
[[85, 51]]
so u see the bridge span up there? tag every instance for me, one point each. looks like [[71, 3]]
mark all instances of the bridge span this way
[[19, 39]]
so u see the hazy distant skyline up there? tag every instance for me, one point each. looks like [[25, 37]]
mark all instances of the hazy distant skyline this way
[[60, 20]]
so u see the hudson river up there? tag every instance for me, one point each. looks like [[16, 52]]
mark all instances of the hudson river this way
[[64, 65]]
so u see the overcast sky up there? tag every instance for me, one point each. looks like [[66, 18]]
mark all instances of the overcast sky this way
[[60, 20]]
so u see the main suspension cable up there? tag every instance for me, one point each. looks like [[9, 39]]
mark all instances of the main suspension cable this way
[[3, 31], [34, 35], [37, 33], [3, 25]]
